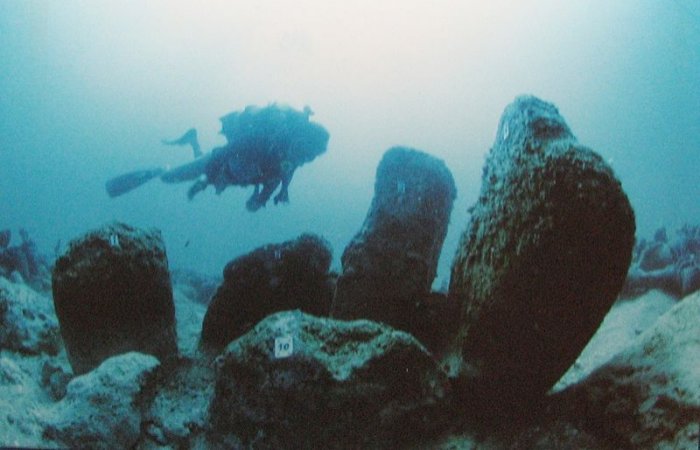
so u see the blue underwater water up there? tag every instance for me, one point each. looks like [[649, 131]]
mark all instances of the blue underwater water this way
[[88, 91]]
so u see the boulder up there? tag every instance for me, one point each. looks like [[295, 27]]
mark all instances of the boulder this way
[[657, 256], [102, 409], [389, 266], [298, 381], [672, 266], [19, 400], [28, 323], [542, 260], [177, 415], [112, 295], [276, 277], [23, 261], [621, 327], [555, 434], [648, 396]]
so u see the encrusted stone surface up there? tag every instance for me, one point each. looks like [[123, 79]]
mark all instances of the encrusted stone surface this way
[[102, 409], [390, 264], [112, 295], [298, 381], [27, 321], [272, 278], [648, 396], [543, 258]]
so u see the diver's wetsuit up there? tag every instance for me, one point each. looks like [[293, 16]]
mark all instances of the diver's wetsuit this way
[[259, 152]]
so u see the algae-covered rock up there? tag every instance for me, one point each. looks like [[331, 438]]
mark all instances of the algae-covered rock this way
[[102, 409], [19, 398], [649, 395], [672, 265], [297, 381], [543, 258], [177, 415], [272, 278], [622, 326], [28, 323], [389, 266], [555, 434], [112, 295], [22, 262]]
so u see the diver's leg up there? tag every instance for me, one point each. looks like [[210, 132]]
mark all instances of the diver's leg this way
[[252, 202], [283, 194], [189, 138], [258, 201], [269, 187], [197, 187]]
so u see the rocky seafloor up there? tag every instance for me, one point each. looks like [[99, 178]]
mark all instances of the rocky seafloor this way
[[557, 331]]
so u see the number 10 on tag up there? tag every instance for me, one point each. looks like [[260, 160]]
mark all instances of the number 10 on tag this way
[[284, 346]]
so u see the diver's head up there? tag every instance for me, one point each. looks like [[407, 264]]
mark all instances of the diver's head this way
[[229, 125], [314, 140]]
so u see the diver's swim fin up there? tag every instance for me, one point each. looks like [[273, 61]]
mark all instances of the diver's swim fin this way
[[130, 181], [189, 138]]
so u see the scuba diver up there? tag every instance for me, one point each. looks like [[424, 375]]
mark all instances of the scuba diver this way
[[265, 145]]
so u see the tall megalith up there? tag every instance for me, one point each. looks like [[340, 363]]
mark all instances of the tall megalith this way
[[390, 264], [112, 295], [543, 258]]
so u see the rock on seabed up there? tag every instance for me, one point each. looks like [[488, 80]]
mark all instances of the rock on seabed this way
[[390, 264], [272, 278], [648, 396], [101, 409], [298, 381], [112, 295], [543, 258]]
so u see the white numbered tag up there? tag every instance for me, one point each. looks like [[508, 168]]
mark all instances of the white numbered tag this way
[[284, 346]]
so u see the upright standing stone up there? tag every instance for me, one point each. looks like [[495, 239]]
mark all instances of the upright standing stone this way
[[112, 295], [543, 258], [390, 264], [272, 278]]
